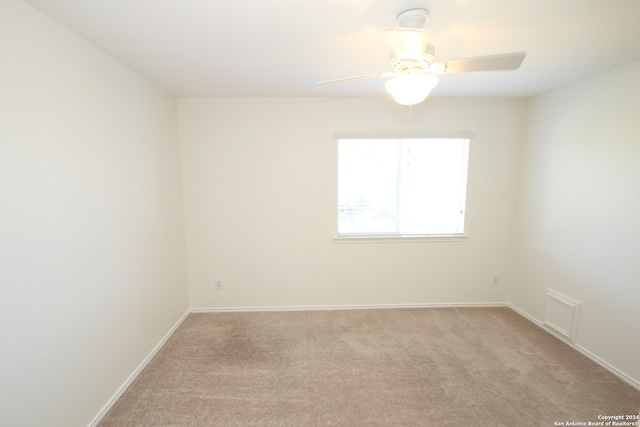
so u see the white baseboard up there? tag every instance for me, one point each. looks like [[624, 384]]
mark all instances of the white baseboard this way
[[342, 307], [525, 315], [624, 377], [107, 407]]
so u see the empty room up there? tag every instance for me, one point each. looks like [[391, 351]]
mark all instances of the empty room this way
[[345, 213]]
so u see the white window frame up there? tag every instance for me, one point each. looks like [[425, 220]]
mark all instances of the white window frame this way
[[395, 237]]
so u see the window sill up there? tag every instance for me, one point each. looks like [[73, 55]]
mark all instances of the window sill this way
[[395, 238]]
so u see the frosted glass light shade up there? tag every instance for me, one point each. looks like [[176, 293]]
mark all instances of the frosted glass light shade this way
[[411, 89]]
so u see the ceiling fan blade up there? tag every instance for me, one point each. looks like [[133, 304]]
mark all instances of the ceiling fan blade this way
[[510, 61], [365, 76]]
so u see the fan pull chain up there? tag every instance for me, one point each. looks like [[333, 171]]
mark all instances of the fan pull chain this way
[[410, 120]]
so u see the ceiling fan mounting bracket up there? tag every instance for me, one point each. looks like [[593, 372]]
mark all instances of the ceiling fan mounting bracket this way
[[412, 18]]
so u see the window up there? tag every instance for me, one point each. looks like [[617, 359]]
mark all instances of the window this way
[[390, 187]]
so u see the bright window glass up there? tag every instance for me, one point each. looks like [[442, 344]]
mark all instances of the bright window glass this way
[[402, 187]]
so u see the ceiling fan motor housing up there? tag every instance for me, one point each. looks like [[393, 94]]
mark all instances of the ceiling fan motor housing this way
[[412, 52], [412, 61]]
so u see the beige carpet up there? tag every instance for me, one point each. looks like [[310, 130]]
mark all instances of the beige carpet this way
[[387, 367]]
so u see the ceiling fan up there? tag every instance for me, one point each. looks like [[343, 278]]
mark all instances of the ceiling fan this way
[[414, 70]]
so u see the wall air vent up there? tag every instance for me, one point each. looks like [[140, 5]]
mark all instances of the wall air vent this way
[[561, 314]]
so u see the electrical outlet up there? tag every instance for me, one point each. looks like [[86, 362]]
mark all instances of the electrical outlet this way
[[496, 281], [218, 285]]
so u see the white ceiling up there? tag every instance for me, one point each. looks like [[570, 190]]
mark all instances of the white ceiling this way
[[282, 47]]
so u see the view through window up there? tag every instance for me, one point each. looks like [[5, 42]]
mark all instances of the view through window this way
[[402, 187]]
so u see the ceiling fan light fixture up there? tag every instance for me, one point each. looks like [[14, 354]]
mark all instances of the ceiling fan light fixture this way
[[412, 88]]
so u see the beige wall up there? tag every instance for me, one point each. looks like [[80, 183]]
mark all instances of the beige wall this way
[[578, 217], [260, 202], [92, 255]]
